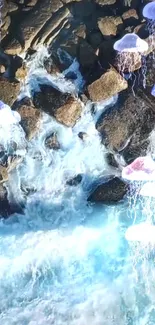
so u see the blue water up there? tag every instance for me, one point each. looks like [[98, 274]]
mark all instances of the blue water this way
[[65, 261]]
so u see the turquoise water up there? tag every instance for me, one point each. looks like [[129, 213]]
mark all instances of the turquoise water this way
[[64, 261]]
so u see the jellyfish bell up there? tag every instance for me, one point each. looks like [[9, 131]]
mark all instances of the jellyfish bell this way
[[131, 43], [141, 169], [130, 54], [149, 10], [153, 91]]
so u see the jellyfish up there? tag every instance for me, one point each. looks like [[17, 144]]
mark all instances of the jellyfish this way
[[7, 116], [143, 232], [131, 51], [141, 169], [149, 14]]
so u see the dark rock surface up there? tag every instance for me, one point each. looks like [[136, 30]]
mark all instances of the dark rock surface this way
[[109, 192]]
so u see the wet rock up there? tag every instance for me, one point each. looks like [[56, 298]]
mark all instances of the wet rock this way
[[110, 158], [83, 135], [30, 120], [52, 142], [50, 66], [75, 180], [32, 24], [109, 192], [62, 106], [5, 207], [80, 31], [3, 174], [108, 85], [130, 17], [86, 54], [126, 127], [105, 2], [8, 91], [95, 39], [12, 6], [106, 53], [110, 26]]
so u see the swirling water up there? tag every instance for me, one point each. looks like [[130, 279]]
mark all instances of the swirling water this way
[[64, 261]]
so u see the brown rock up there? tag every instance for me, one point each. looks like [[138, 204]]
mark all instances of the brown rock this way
[[32, 24], [12, 6], [63, 106], [52, 142], [30, 120], [8, 91], [3, 174], [126, 127], [108, 85], [110, 26], [105, 2], [110, 191], [130, 17]]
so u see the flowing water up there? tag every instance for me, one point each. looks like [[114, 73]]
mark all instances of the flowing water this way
[[65, 261]]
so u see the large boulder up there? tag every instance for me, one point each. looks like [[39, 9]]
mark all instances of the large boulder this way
[[30, 119], [9, 91], [126, 127], [62, 106], [110, 191], [110, 26], [108, 85], [32, 24]]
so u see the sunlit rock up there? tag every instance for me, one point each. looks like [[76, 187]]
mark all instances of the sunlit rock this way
[[30, 119], [8, 91], [62, 106], [110, 26], [108, 85]]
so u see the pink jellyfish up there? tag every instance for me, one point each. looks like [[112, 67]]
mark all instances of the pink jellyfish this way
[[141, 169], [130, 54]]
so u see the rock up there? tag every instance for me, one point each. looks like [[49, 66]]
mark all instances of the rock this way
[[95, 39], [80, 31], [3, 174], [12, 6], [110, 158], [126, 127], [5, 207], [107, 54], [86, 54], [83, 135], [108, 85], [105, 2], [8, 91], [75, 180], [32, 24], [111, 191], [110, 26], [30, 120], [62, 106], [50, 66], [52, 142], [130, 17]]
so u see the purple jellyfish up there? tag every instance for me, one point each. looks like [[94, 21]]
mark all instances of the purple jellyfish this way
[[153, 91], [141, 169], [130, 54], [149, 14]]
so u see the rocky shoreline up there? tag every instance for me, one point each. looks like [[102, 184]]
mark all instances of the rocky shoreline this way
[[86, 30]]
